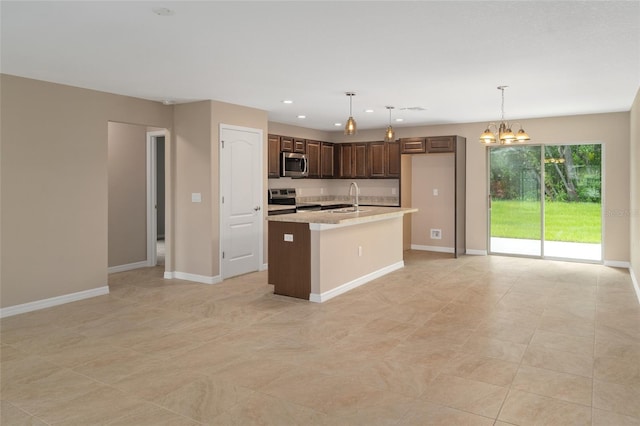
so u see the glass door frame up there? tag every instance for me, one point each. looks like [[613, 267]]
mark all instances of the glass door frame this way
[[543, 202]]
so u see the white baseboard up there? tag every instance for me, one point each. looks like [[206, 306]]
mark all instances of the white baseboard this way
[[438, 249], [192, 277], [617, 264], [128, 267], [634, 280], [323, 297], [53, 301], [264, 267]]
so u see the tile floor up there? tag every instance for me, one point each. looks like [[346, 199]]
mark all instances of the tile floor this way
[[472, 341]]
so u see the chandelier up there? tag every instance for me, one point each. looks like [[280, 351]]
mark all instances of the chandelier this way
[[350, 127], [504, 133]]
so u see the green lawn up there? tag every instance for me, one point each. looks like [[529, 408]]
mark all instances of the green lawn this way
[[571, 222]]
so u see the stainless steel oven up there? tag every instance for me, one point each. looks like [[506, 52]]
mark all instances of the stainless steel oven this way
[[286, 197]]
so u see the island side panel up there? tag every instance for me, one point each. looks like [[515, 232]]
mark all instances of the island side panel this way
[[290, 261], [336, 256]]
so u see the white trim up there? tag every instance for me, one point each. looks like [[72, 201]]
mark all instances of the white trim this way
[[193, 277], [323, 297], [264, 267], [634, 280], [128, 267], [617, 264], [53, 301], [474, 252], [433, 248]]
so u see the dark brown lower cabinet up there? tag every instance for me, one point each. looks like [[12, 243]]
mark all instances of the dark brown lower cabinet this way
[[290, 261]]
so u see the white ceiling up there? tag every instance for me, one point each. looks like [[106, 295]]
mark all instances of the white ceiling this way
[[559, 58]]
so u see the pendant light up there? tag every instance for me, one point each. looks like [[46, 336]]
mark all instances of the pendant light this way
[[504, 133], [350, 128], [390, 134]]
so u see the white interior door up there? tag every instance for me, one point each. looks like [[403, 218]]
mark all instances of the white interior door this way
[[241, 204]]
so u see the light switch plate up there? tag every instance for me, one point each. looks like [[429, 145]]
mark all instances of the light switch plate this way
[[196, 197]]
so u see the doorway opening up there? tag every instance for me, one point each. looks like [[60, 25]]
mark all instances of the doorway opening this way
[[156, 249], [546, 201]]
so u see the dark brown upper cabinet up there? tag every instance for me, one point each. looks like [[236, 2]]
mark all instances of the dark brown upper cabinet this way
[[344, 160], [327, 168], [274, 156], [286, 144], [393, 159], [299, 145], [314, 158], [377, 160], [360, 167], [413, 145], [441, 144]]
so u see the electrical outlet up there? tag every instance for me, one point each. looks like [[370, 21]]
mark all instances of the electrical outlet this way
[[360, 251], [288, 237], [436, 234], [435, 191]]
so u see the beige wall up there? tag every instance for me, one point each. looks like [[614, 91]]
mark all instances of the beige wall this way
[[635, 188], [612, 130], [127, 159], [381, 244], [192, 228], [433, 171], [54, 185], [298, 132]]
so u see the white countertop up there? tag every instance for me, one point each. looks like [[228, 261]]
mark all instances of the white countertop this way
[[367, 214]]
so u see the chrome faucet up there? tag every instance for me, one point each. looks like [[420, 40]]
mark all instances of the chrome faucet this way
[[354, 185]]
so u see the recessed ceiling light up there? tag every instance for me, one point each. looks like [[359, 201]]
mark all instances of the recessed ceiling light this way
[[302, 116], [399, 119], [287, 101], [163, 11], [368, 110], [337, 124]]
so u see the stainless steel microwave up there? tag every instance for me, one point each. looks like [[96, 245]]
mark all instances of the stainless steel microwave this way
[[294, 165]]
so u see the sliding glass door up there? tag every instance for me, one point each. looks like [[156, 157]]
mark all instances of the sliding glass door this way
[[572, 208], [515, 203], [545, 201]]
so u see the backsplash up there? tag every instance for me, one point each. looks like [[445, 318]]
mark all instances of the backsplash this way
[[362, 199], [334, 189]]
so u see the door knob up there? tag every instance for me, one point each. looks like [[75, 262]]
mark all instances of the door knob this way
[[256, 208]]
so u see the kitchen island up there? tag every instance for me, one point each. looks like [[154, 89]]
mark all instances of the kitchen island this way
[[317, 255]]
